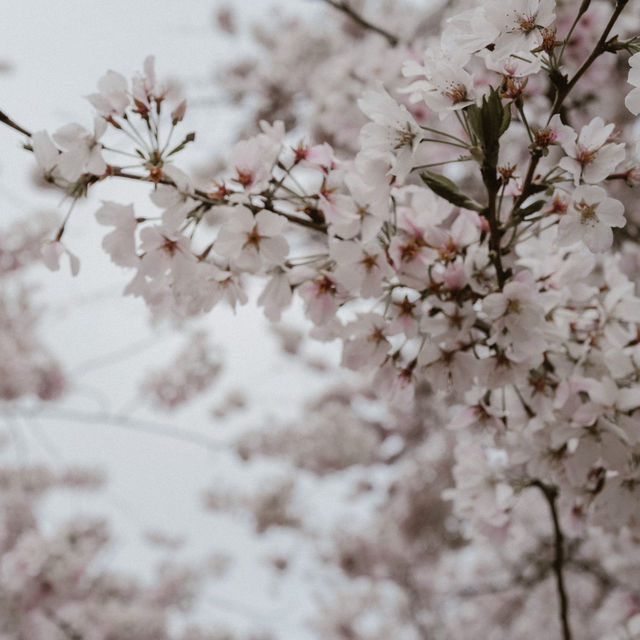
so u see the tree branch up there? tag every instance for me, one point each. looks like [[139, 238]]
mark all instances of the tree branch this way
[[600, 48], [206, 199], [5, 119], [495, 236], [342, 5], [124, 422], [198, 194], [562, 93], [550, 493]]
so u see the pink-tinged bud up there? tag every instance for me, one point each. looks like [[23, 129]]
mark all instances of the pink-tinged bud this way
[[455, 276], [178, 113]]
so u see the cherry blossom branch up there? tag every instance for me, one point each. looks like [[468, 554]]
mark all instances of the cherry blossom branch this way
[[599, 49], [528, 187], [5, 119], [198, 194], [342, 5], [495, 235], [492, 184], [203, 197], [550, 493]]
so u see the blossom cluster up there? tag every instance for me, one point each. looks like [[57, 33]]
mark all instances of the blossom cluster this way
[[27, 367], [52, 585], [193, 371]]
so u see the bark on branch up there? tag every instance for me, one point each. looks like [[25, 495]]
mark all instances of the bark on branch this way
[[342, 5], [550, 494]]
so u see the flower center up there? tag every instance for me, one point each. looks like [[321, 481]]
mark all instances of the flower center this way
[[253, 237], [169, 246], [325, 286], [526, 24], [587, 211], [513, 306], [369, 262], [404, 137], [585, 156], [456, 92], [544, 137]]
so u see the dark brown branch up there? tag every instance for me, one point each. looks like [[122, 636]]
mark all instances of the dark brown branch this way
[[562, 93], [495, 236], [342, 5], [599, 49], [550, 493], [527, 185], [490, 180], [5, 119], [68, 630], [205, 198]]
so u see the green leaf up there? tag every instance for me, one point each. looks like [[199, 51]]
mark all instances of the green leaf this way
[[506, 120], [448, 190], [487, 123], [534, 207]]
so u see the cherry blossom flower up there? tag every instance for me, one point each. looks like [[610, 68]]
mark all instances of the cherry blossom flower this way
[[250, 242], [590, 218], [45, 151], [360, 268], [517, 65], [82, 151], [120, 243], [369, 187], [253, 159], [367, 344], [447, 87], [468, 32], [166, 261], [448, 369], [393, 134], [144, 87], [322, 298], [519, 23], [113, 98], [590, 158]]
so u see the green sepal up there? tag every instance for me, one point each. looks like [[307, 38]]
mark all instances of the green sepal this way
[[448, 190], [534, 207]]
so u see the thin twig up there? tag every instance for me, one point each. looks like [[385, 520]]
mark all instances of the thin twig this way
[[126, 422], [203, 197], [342, 5]]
